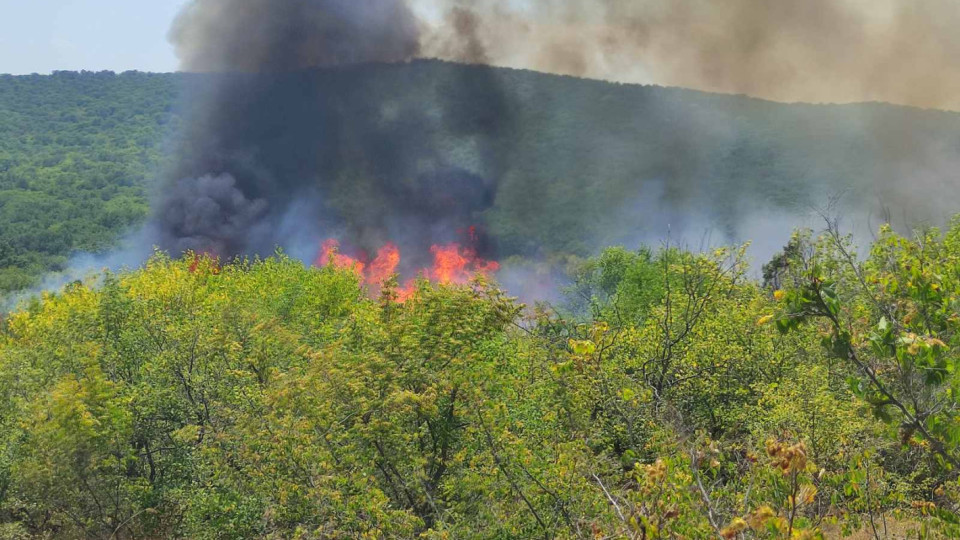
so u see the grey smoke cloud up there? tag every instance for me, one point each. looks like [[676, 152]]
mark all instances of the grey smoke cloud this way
[[899, 51], [271, 35], [267, 127], [202, 214], [268, 123]]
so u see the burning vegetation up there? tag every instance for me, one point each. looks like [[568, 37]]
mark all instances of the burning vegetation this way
[[453, 264], [181, 400]]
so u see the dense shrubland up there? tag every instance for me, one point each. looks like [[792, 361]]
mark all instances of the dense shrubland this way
[[669, 397]]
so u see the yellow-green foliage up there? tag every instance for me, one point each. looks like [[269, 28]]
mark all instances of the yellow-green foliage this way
[[266, 399]]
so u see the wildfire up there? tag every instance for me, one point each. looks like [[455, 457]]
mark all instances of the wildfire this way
[[449, 264], [205, 257], [385, 265], [452, 264], [330, 254], [455, 264]]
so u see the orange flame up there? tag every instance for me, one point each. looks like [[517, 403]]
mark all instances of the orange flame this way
[[452, 264], [407, 291], [486, 268], [449, 264], [455, 264], [385, 265], [330, 254]]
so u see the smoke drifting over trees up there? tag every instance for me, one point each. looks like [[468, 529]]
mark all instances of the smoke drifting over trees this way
[[900, 51], [273, 137], [283, 141]]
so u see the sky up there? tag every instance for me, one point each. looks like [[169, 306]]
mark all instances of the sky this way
[[40, 36]]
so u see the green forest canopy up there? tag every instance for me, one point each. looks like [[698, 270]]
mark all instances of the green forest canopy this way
[[76, 153]]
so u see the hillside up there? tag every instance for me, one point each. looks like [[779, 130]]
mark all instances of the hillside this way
[[567, 164], [76, 152]]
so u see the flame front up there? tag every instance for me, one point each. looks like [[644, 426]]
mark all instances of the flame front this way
[[385, 265], [449, 264], [453, 264], [330, 254]]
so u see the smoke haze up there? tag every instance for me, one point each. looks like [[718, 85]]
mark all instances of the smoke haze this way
[[898, 51], [287, 137]]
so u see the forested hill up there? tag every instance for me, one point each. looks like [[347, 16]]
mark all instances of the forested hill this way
[[76, 150], [577, 163]]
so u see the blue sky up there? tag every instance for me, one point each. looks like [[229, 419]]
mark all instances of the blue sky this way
[[39, 36]]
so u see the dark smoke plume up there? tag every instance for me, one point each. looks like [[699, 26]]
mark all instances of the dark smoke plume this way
[[279, 116], [290, 135], [284, 35], [204, 214]]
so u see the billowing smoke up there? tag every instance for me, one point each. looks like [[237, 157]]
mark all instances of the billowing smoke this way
[[259, 130], [274, 36], [898, 51], [308, 118], [207, 213], [280, 120]]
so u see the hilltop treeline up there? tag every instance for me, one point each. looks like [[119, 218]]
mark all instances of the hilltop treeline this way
[[668, 397], [545, 164]]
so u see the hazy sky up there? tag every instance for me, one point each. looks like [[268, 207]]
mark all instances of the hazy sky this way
[[39, 36], [899, 51]]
